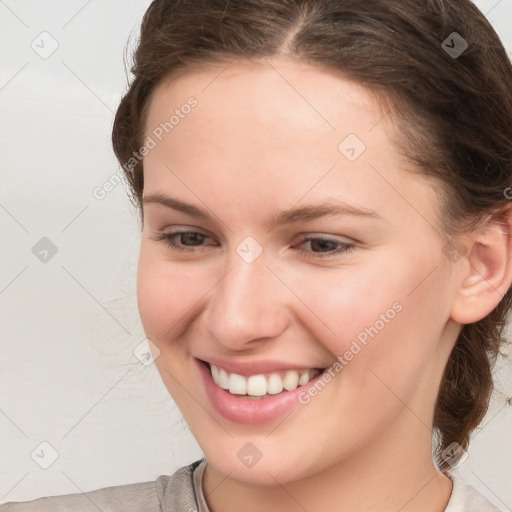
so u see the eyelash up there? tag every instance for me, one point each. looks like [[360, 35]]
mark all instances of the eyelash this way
[[168, 239]]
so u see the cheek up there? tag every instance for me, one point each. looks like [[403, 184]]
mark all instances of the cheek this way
[[387, 316], [165, 297]]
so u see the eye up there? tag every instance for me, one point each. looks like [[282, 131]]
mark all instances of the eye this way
[[187, 238], [185, 241], [325, 243]]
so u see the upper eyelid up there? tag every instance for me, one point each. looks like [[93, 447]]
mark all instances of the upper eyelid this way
[[187, 230]]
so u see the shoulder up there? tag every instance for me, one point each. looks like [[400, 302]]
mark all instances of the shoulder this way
[[466, 498], [168, 493], [128, 497]]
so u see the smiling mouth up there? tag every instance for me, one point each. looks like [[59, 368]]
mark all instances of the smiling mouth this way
[[263, 385]]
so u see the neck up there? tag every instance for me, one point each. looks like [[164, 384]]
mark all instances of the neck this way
[[395, 472]]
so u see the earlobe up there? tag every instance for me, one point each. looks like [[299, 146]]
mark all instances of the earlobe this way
[[487, 273]]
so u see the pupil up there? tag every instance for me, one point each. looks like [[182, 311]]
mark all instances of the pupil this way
[[322, 244], [190, 237]]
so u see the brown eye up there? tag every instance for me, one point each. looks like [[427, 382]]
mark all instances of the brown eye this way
[[185, 239], [325, 243]]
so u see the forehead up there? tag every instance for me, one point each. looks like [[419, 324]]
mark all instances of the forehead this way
[[266, 112], [269, 88], [275, 126]]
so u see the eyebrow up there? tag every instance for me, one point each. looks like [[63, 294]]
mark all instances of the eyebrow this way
[[290, 216]]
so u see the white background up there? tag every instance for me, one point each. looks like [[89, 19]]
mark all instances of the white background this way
[[68, 327]]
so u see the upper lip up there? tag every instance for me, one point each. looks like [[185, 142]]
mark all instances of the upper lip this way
[[249, 368]]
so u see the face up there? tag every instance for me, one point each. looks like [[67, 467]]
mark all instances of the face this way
[[293, 238]]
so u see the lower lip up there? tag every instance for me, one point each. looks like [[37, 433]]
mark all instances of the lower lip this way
[[249, 411]]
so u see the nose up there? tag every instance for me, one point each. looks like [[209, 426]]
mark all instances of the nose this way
[[248, 306]]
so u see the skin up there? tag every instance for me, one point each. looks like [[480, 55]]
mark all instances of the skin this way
[[264, 138]]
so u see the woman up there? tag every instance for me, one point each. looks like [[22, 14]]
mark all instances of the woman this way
[[325, 270]]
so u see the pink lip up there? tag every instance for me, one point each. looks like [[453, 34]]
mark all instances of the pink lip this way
[[253, 412]]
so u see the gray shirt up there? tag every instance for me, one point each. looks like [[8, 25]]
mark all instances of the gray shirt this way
[[182, 492]]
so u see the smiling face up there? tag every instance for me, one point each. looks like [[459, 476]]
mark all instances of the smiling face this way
[[256, 296]]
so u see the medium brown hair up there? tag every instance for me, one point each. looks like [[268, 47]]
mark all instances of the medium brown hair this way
[[453, 118]]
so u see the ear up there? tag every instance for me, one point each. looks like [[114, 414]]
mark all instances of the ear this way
[[486, 270]]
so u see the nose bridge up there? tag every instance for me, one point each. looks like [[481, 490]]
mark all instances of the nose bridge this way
[[248, 303]]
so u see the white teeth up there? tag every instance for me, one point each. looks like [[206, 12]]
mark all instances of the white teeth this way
[[215, 373], [274, 384], [291, 380], [260, 385], [256, 385], [223, 380], [304, 378], [237, 384]]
